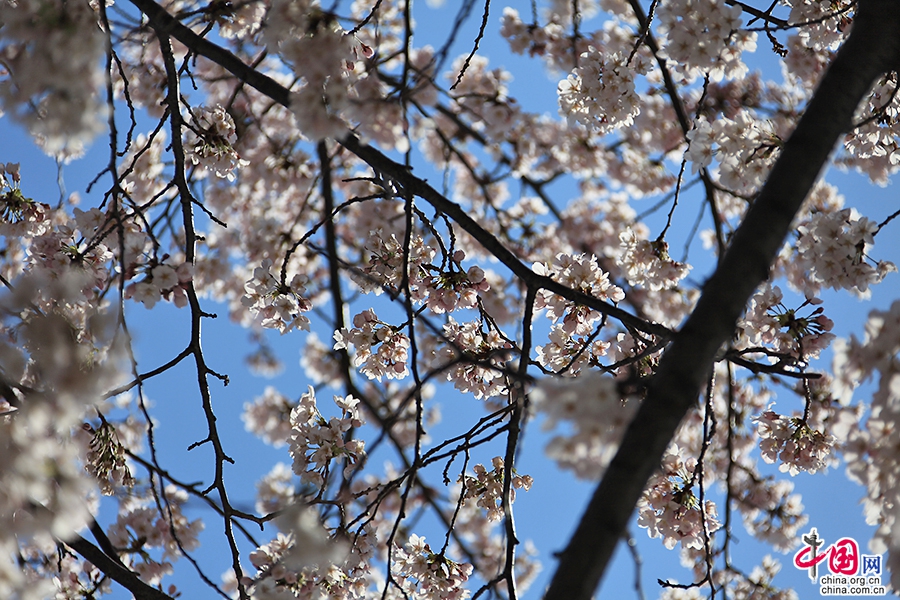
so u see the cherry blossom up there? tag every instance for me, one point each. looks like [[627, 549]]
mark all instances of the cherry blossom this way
[[438, 227], [600, 93], [315, 442], [211, 138], [487, 487], [52, 73], [792, 442], [474, 357], [140, 528], [279, 306], [831, 249], [595, 410], [583, 273], [430, 575], [390, 355], [704, 36], [671, 509], [787, 334], [647, 263], [268, 416]]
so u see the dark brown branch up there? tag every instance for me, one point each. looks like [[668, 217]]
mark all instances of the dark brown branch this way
[[779, 368], [165, 24], [115, 570], [684, 120], [759, 14], [140, 378], [197, 314], [416, 186], [872, 49]]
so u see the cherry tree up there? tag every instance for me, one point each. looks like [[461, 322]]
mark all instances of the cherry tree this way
[[322, 171]]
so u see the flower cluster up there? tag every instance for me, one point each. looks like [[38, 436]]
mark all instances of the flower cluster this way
[[703, 35], [599, 94], [870, 452], [593, 407], [782, 331], [385, 265], [141, 527], [669, 507], [62, 361], [453, 290], [826, 25], [106, 459], [487, 487], [580, 272], [550, 41], [19, 215], [25, 572], [791, 441], [210, 142], [268, 417], [240, 21], [483, 96], [746, 149], [772, 511], [565, 353], [275, 490], [315, 441], [278, 305], [301, 561], [316, 47], [856, 361], [379, 349], [162, 281], [647, 263], [142, 171], [479, 533], [830, 251], [335, 87], [426, 575], [311, 544], [475, 358], [700, 145], [51, 55]]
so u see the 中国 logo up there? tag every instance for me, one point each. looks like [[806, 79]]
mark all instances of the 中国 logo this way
[[849, 572]]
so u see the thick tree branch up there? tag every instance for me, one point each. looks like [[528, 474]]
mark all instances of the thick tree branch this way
[[759, 14], [872, 49], [416, 186], [164, 23], [115, 570]]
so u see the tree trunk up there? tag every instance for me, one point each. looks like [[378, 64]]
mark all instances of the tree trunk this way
[[872, 49]]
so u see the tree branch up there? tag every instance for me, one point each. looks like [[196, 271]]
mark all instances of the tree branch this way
[[162, 21], [420, 188], [197, 314], [115, 570], [872, 49], [759, 14]]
